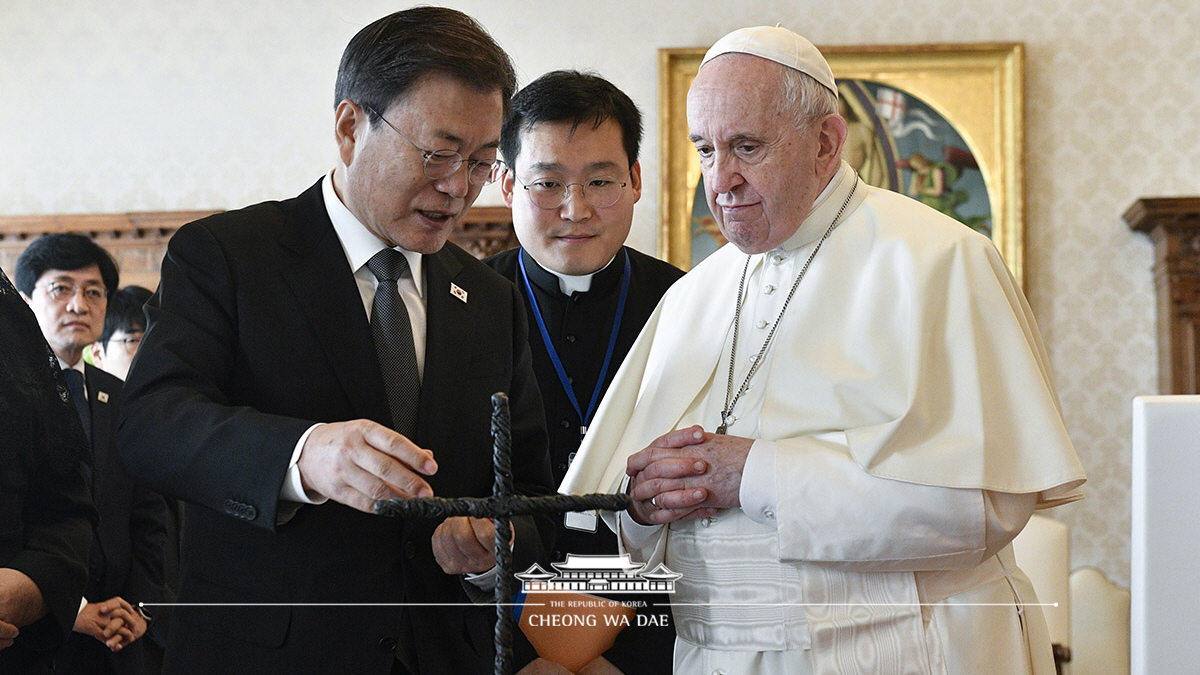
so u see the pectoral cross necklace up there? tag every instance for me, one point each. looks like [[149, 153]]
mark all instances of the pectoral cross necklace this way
[[731, 399]]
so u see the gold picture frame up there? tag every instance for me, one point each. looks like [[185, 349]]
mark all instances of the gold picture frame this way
[[977, 88]]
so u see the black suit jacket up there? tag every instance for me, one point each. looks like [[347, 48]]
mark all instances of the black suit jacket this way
[[46, 514], [257, 332], [46, 520], [580, 327], [126, 558]]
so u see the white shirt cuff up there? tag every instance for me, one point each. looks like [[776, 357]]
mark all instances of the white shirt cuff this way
[[484, 581], [292, 489], [757, 492]]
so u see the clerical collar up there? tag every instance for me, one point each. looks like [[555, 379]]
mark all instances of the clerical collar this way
[[570, 284], [567, 284], [568, 384]]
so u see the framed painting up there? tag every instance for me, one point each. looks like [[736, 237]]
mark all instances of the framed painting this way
[[941, 123]]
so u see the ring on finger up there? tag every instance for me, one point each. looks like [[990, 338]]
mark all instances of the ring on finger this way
[[654, 502]]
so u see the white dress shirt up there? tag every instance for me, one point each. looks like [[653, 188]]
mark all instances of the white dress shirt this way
[[359, 244]]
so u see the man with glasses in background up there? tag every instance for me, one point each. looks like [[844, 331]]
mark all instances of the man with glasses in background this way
[[308, 357], [124, 324], [571, 142], [67, 280]]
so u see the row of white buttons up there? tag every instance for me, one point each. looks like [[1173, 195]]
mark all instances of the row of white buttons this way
[[766, 512]]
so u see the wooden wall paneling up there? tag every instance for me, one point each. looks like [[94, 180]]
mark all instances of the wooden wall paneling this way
[[138, 241]]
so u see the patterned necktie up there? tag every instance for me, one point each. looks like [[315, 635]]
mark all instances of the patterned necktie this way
[[74, 380], [394, 341]]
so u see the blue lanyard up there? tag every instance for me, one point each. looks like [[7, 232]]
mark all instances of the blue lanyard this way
[[584, 419]]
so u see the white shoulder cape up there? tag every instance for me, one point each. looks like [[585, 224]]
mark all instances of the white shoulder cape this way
[[908, 342]]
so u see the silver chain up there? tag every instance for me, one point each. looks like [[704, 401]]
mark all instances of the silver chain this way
[[730, 398]]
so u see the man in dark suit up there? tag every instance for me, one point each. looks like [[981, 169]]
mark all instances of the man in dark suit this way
[[46, 514], [571, 142], [66, 279], [286, 381]]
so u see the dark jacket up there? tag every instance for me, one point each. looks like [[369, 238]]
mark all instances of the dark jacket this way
[[46, 513], [257, 332]]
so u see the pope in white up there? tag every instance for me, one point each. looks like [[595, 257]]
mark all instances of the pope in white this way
[[834, 426]]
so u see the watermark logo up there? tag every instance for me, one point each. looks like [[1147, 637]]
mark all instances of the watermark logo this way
[[598, 574]]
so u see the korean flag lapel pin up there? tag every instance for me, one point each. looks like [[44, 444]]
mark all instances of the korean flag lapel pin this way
[[458, 292], [102, 396]]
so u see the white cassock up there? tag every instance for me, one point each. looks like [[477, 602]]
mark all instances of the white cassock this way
[[906, 428]]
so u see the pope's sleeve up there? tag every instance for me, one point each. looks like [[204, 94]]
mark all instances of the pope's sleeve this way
[[829, 510], [956, 436]]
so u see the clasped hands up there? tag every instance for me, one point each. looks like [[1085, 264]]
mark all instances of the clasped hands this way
[[686, 473], [360, 462], [114, 622]]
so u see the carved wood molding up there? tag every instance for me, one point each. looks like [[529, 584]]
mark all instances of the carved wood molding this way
[[138, 241], [486, 230], [1173, 224], [146, 224]]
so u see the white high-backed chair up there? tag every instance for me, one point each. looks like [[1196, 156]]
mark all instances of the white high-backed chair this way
[[1090, 626], [1099, 624], [1043, 551]]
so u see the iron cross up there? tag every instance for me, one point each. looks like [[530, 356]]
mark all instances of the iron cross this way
[[502, 505]]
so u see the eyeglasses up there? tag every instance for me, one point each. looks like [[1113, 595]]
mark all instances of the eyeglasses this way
[[61, 291], [601, 192], [439, 164], [132, 340]]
